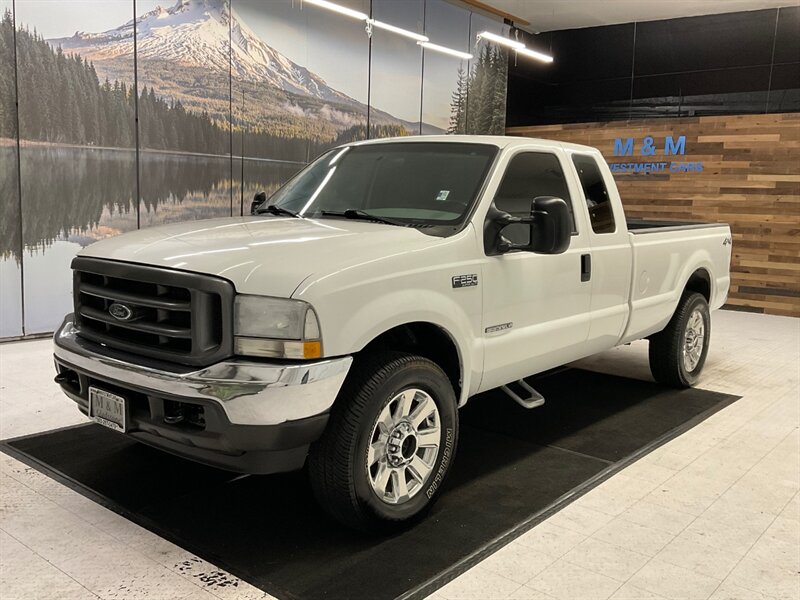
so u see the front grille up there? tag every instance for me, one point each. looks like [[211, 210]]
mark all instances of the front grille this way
[[160, 313]]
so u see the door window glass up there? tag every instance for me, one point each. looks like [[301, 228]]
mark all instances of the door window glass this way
[[531, 174], [598, 201]]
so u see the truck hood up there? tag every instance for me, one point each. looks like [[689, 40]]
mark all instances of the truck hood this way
[[264, 255]]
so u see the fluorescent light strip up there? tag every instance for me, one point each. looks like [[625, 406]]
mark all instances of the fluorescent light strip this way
[[342, 10], [398, 30], [444, 50], [422, 40], [518, 46], [499, 39], [534, 54]]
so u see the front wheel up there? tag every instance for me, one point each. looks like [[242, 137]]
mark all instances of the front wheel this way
[[389, 443], [678, 353]]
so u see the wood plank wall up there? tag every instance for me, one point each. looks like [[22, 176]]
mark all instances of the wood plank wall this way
[[750, 179]]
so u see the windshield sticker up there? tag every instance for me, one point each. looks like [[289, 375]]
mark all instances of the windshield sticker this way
[[442, 195]]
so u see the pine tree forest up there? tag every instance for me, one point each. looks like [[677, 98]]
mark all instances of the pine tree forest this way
[[478, 104]]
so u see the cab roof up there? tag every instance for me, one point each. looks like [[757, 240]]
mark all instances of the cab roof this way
[[502, 141]]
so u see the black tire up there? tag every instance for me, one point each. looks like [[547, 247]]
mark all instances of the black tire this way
[[337, 463], [667, 346]]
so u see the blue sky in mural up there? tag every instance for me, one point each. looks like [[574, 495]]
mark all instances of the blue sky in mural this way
[[105, 15]]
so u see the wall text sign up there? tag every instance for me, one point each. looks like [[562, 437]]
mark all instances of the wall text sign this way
[[649, 148]]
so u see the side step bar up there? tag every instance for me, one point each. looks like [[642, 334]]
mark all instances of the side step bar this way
[[534, 399]]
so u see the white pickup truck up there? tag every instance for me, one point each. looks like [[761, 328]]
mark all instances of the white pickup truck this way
[[346, 320]]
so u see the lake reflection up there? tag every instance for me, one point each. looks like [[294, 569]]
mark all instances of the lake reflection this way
[[87, 194], [72, 197]]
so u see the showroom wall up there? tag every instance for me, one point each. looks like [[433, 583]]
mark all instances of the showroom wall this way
[[132, 114], [699, 119]]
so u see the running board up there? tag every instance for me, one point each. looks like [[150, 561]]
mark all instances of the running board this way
[[534, 400]]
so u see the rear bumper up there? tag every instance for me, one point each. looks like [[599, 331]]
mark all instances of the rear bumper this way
[[248, 416]]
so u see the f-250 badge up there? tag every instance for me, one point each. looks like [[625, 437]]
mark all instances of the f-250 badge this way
[[460, 281]]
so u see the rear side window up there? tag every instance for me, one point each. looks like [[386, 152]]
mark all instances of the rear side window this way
[[531, 174], [598, 201]]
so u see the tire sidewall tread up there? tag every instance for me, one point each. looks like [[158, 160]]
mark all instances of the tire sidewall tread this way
[[337, 473], [666, 347]]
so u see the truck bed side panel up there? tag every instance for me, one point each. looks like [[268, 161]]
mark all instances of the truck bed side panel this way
[[663, 262]]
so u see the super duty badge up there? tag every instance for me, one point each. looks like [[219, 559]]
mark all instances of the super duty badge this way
[[460, 281]]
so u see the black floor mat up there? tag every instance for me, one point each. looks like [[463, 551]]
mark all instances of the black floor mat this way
[[513, 468]]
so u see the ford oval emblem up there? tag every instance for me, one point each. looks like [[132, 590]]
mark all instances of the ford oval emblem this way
[[120, 312]]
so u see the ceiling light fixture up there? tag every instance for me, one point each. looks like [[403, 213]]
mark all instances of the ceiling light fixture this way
[[444, 50], [342, 10], [398, 30], [499, 39], [519, 47], [422, 40], [534, 54]]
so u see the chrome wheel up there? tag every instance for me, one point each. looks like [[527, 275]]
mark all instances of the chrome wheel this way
[[694, 340], [403, 446]]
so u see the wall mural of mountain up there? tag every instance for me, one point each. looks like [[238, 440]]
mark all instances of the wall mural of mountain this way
[[232, 96], [197, 45]]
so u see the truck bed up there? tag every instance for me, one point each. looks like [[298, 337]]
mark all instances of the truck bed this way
[[664, 261]]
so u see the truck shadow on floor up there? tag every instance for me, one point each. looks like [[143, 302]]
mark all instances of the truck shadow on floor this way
[[512, 464]]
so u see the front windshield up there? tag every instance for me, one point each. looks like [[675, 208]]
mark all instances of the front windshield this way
[[410, 182]]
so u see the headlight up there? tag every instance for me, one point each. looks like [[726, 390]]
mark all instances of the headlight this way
[[275, 327]]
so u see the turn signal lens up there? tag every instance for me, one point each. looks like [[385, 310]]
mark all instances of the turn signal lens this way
[[247, 346], [312, 349]]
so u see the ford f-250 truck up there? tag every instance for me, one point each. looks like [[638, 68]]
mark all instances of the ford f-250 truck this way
[[346, 320]]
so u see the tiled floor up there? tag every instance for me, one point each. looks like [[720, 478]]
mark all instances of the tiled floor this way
[[713, 514]]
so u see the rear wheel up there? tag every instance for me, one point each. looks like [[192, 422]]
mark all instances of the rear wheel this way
[[678, 353], [389, 443]]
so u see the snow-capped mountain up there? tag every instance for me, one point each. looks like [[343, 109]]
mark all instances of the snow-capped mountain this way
[[196, 34]]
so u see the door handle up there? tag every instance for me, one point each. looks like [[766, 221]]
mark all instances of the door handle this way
[[586, 267]]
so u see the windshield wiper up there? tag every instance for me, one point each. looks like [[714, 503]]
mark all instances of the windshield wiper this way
[[277, 210], [357, 213]]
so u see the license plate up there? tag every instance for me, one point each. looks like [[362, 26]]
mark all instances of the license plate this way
[[107, 409]]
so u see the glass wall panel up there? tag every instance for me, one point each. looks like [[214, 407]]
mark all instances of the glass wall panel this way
[[277, 101], [183, 75], [10, 242], [299, 80], [338, 52], [77, 159], [445, 77], [396, 69], [488, 79]]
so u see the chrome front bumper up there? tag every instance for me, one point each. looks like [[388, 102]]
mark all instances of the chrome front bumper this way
[[248, 392]]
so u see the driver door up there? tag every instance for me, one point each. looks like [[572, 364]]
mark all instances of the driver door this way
[[536, 308]]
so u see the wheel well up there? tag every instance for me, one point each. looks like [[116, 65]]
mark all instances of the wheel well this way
[[424, 339], [700, 282]]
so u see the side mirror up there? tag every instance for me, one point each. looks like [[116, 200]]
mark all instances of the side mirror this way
[[259, 199], [546, 231], [552, 226]]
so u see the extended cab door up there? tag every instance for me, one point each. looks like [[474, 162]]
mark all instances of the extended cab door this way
[[536, 307], [611, 251]]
